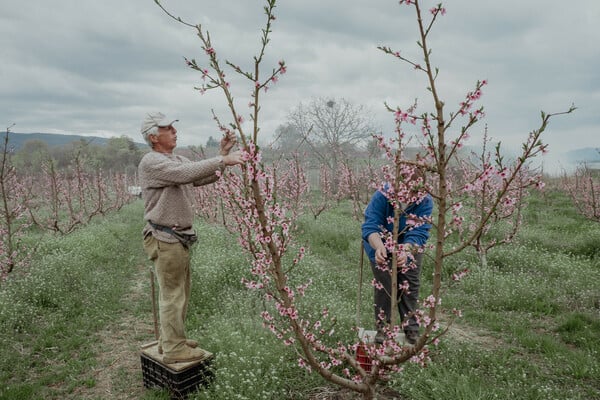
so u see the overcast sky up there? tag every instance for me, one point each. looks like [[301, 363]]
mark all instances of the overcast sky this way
[[96, 67]]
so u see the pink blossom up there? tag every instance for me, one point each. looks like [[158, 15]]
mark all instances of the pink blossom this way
[[430, 302], [401, 116], [376, 284], [303, 364], [404, 287], [540, 185], [458, 276], [457, 312]]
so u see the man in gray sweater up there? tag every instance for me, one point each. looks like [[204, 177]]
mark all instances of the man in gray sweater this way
[[167, 180]]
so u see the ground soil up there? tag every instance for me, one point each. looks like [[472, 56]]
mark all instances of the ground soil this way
[[465, 334]]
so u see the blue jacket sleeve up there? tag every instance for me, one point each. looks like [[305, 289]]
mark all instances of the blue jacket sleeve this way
[[376, 215]]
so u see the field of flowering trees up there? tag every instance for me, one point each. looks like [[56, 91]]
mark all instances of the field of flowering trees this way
[[483, 205], [74, 320], [63, 205]]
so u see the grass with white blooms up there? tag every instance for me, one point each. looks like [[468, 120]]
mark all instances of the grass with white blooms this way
[[531, 325]]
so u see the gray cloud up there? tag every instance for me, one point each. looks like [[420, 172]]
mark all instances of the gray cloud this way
[[97, 67]]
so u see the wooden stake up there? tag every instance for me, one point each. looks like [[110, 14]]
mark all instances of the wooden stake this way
[[154, 305], [360, 279]]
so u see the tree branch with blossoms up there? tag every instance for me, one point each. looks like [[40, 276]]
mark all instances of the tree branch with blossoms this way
[[265, 226], [440, 141], [265, 222]]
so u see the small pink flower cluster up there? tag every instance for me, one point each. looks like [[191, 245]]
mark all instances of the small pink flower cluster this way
[[421, 358], [471, 98], [458, 276], [438, 10]]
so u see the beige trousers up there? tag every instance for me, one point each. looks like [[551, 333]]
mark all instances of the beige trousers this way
[[172, 266]]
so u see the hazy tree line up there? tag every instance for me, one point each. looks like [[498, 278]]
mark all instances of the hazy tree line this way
[[323, 131], [120, 154]]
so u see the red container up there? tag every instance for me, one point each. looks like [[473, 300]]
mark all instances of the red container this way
[[363, 359]]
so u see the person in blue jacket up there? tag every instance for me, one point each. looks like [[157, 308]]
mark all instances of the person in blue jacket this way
[[379, 216]]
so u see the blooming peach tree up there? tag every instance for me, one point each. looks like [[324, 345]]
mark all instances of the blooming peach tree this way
[[481, 176], [265, 219], [15, 193], [441, 134], [583, 187]]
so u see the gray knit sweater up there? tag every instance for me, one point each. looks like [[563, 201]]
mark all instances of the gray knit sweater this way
[[166, 181]]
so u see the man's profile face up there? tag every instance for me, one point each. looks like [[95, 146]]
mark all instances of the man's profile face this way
[[166, 140]]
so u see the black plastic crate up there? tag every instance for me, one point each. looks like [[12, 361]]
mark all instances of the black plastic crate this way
[[179, 379]]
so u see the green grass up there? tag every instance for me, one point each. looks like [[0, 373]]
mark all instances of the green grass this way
[[49, 316], [530, 330]]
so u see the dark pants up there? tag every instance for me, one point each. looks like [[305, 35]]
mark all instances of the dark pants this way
[[408, 302]]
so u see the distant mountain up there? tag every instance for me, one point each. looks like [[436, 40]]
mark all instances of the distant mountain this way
[[584, 155], [17, 140]]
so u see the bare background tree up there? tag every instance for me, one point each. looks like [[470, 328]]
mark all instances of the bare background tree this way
[[333, 128]]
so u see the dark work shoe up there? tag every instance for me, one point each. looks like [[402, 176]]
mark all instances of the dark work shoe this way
[[411, 336]]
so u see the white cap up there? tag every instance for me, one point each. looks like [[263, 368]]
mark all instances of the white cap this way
[[155, 120]]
